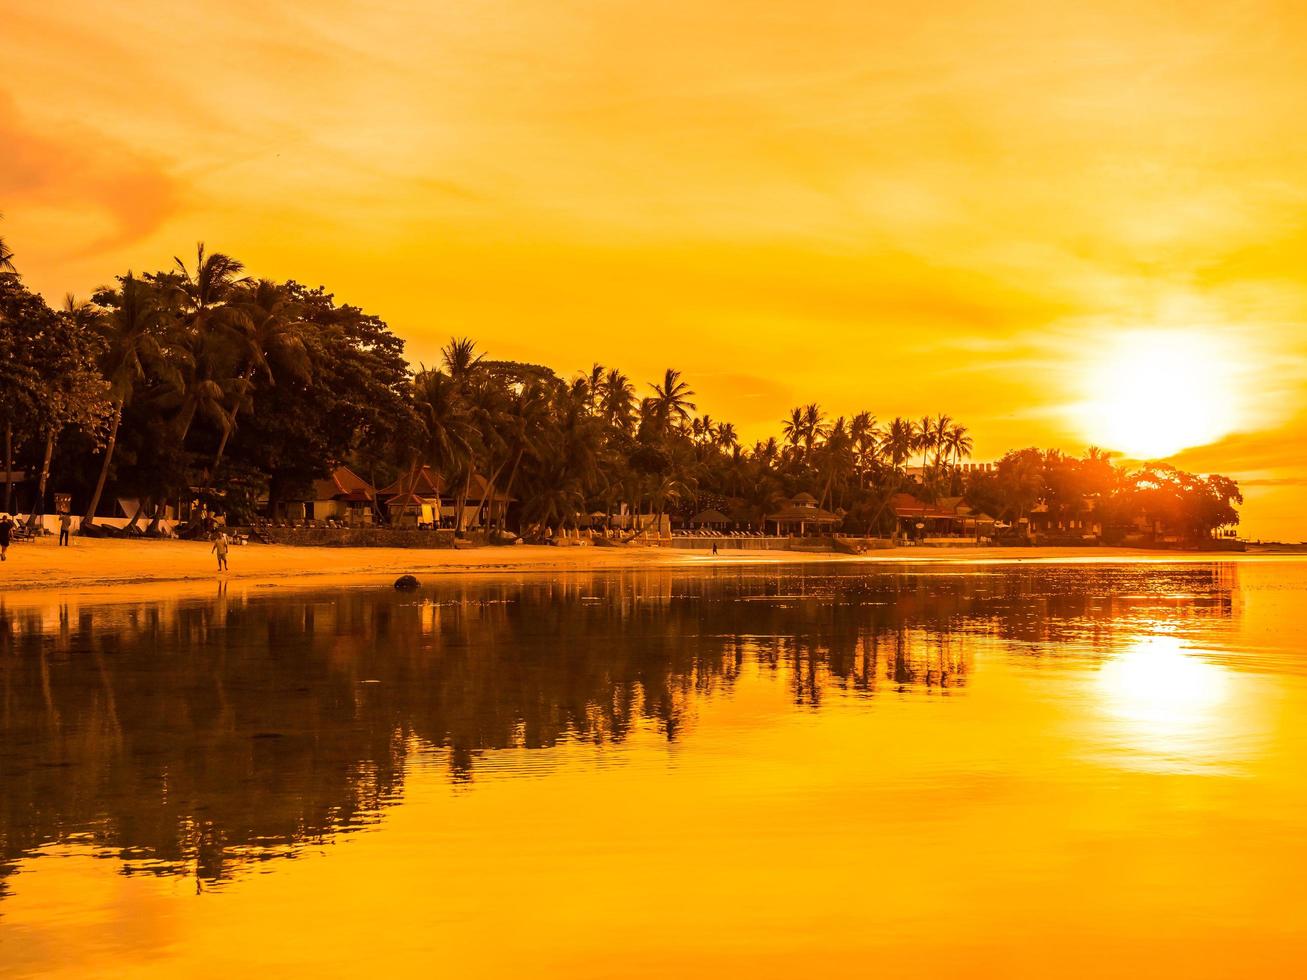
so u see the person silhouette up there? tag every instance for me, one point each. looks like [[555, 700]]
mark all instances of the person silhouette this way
[[220, 545]]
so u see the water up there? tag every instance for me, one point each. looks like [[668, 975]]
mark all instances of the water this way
[[819, 770]]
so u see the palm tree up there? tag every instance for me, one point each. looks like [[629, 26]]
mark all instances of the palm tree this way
[[594, 388], [866, 443], [6, 258], [203, 293], [704, 430], [274, 347], [618, 401], [446, 433], [834, 458], [445, 430], [134, 323], [463, 362], [793, 427], [202, 381], [900, 440], [524, 421], [461, 358], [940, 433], [957, 442], [814, 426], [670, 401], [211, 334], [924, 437]]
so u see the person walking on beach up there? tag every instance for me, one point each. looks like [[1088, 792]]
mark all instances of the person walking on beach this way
[[6, 535], [65, 529], [220, 549]]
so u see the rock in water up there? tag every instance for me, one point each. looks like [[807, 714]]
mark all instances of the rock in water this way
[[406, 583]]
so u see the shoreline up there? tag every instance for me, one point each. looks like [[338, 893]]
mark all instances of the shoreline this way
[[115, 568]]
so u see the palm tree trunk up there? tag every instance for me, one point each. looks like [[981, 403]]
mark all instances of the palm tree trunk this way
[[89, 519], [372, 497], [512, 478], [881, 510], [141, 506], [183, 424], [412, 484], [490, 485], [38, 505], [222, 448], [461, 506], [231, 423], [156, 519], [9, 463]]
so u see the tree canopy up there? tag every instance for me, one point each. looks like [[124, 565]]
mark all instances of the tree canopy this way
[[202, 380]]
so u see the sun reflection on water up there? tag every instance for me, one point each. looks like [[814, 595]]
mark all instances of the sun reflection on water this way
[[1167, 703]]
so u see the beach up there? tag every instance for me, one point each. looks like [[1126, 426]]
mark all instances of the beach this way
[[109, 566]]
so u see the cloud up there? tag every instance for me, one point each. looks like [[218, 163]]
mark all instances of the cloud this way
[[110, 194], [1277, 451], [1284, 481]]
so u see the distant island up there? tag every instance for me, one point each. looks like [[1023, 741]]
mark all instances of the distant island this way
[[201, 390]]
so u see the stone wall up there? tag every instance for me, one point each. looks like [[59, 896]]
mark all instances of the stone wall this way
[[771, 543], [726, 544], [360, 537]]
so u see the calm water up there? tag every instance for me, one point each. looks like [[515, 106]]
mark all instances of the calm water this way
[[820, 770]]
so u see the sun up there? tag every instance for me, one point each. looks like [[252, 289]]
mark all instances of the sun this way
[[1152, 393]]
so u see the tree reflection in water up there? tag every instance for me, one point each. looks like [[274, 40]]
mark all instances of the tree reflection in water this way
[[195, 736]]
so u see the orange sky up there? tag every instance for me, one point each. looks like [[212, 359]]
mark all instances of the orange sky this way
[[977, 208]]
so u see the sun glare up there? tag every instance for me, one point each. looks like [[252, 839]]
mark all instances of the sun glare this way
[[1153, 393], [1163, 700]]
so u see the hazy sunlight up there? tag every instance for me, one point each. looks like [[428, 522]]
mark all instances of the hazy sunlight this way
[[1152, 393]]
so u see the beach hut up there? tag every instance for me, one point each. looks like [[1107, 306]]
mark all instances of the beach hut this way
[[408, 510], [949, 517], [442, 496], [414, 498], [801, 516], [343, 496], [710, 518], [492, 512], [424, 482]]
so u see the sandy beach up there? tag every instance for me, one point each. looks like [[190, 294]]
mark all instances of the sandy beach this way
[[117, 567]]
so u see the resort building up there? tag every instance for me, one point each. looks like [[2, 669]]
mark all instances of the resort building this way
[[948, 518], [801, 516], [423, 498], [965, 470], [712, 519], [342, 497]]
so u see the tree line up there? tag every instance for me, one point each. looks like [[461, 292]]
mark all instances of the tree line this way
[[200, 380]]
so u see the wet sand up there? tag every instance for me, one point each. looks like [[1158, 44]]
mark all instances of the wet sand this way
[[131, 568]]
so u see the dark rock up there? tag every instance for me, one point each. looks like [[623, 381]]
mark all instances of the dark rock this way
[[406, 583]]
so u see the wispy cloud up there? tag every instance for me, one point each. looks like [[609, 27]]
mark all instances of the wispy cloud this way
[[115, 194]]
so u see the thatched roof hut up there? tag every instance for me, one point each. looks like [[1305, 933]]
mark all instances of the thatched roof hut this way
[[425, 482], [709, 518], [802, 520]]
